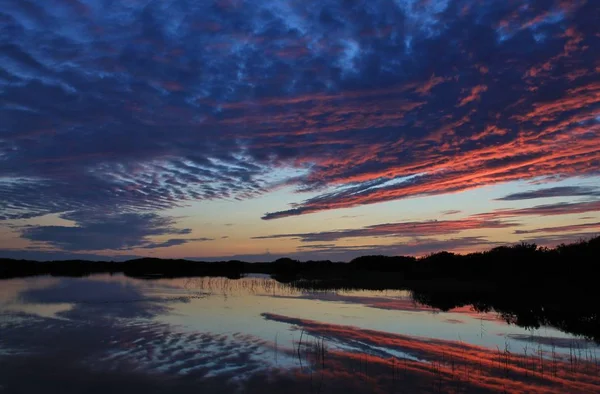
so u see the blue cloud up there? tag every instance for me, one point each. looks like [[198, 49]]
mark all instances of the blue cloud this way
[[112, 232], [119, 106], [559, 191]]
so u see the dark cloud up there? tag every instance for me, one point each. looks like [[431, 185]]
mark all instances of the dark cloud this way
[[451, 212], [175, 242], [418, 246], [41, 254], [562, 208], [129, 107], [112, 232], [561, 191], [562, 229], [552, 240], [401, 229]]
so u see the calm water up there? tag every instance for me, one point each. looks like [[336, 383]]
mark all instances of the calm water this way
[[118, 334]]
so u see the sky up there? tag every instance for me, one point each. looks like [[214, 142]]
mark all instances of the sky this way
[[313, 129]]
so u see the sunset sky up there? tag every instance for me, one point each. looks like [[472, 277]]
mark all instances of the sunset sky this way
[[312, 129]]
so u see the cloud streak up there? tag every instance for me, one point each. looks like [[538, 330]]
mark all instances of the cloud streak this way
[[109, 232], [143, 107], [560, 191], [562, 229], [562, 208], [401, 229]]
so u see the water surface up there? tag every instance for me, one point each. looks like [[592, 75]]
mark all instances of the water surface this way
[[115, 333]]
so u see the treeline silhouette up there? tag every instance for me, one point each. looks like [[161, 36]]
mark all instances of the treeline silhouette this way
[[504, 264], [569, 307], [528, 285]]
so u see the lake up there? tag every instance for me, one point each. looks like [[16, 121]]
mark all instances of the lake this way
[[112, 333]]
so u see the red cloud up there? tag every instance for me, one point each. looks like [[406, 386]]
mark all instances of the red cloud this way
[[475, 95], [550, 143], [430, 84], [573, 39]]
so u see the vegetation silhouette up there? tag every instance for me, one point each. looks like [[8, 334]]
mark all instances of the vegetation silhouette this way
[[521, 262], [528, 285]]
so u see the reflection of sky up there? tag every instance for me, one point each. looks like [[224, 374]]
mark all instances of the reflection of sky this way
[[228, 313], [234, 330], [11, 300], [223, 306]]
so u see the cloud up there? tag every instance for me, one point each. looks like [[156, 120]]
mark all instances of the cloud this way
[[562, 208], [139, 107], [451, 212], [475, 95], [401, 229], [175, 242], [109, 232], [552, 240], [41, 254], [560, 191], [418, 246], [562, 229]]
